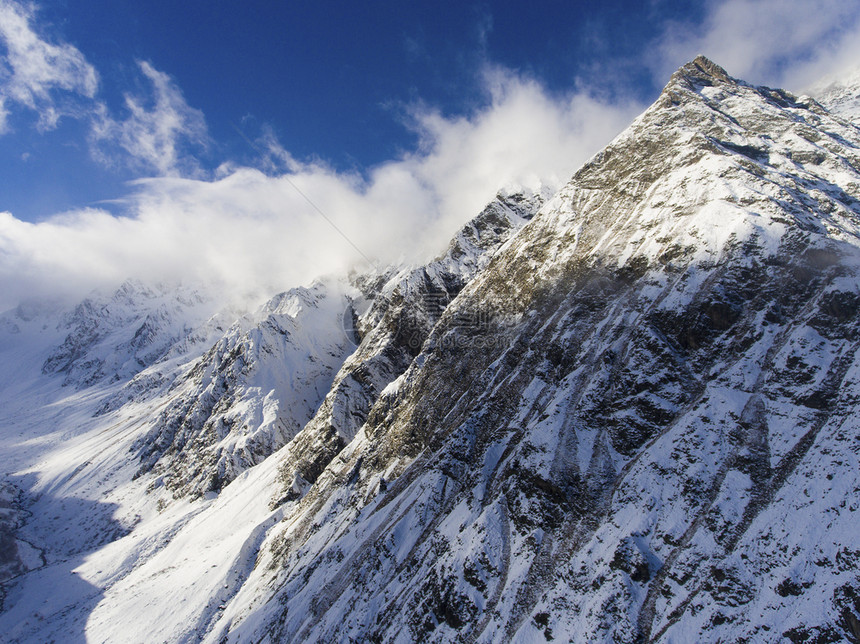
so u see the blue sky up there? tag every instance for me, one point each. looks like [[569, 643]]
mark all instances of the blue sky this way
[[332, 80], [129, 130]]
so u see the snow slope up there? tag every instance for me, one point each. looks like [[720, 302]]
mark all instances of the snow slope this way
[[134, 501]]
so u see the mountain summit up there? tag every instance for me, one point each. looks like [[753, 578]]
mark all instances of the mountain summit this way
[[625, 412]]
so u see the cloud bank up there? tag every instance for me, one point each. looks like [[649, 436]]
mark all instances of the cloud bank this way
[[252, 233]]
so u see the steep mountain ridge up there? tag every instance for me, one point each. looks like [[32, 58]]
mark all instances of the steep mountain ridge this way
[[295, 360], [391, 330], [649, 380]]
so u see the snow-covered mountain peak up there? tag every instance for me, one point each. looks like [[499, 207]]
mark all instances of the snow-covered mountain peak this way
[[117, 335], [702, 71], [841, 95], [250, 393], [581, 468], [707, 163]]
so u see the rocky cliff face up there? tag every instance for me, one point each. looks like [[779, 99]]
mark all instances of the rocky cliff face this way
[[624, 413], [400, 308], [614, 431]]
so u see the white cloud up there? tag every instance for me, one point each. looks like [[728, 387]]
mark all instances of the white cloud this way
[[33, 70], [56, 80], [153, 135], [524, 136], [776, 42], [249, 231]]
